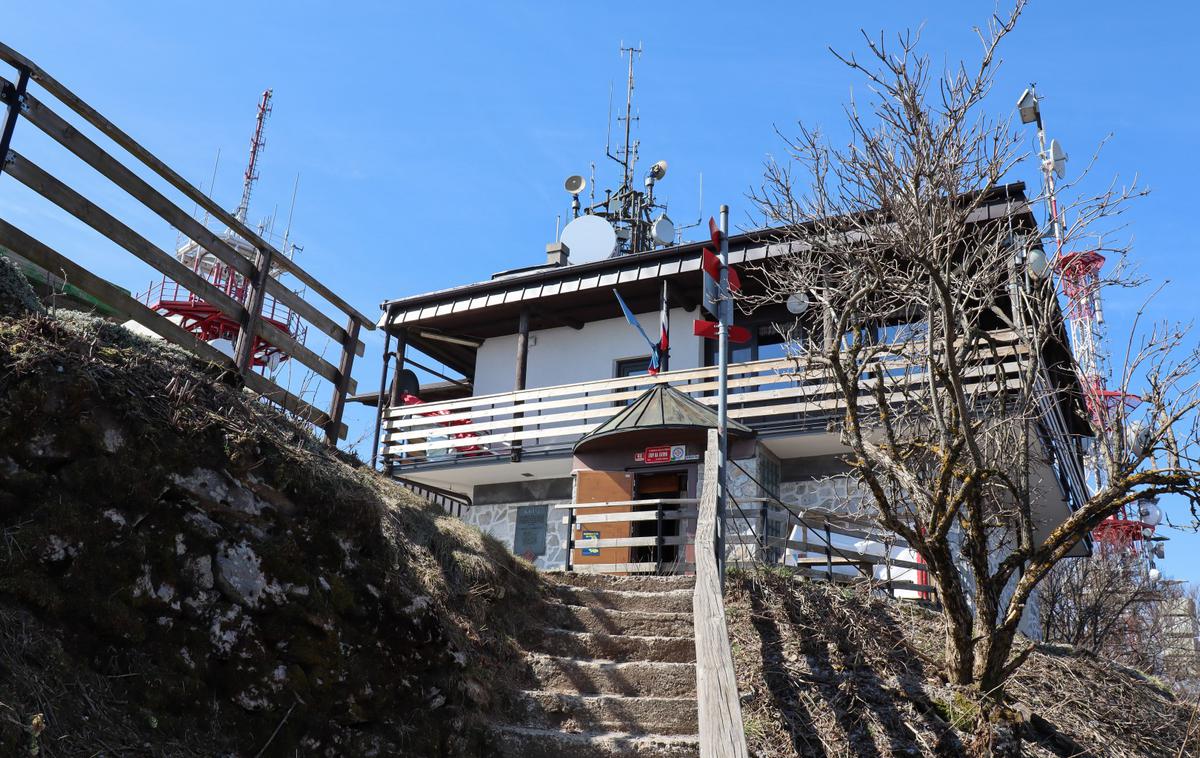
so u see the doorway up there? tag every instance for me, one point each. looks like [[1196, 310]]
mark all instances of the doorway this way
[[653, 486]]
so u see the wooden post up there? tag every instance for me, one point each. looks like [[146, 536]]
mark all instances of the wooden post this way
[[720, 712], [337, 404], [658, 540], [828, 552], [522, 367], [243, 351], [394, 399], [380, 403]]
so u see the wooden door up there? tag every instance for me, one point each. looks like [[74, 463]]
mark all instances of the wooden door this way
[[603, 487]]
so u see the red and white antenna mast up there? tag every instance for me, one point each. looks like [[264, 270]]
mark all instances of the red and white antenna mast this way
[[1079, 277], [257, 143]]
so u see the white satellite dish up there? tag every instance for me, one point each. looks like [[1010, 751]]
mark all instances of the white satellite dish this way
[[575, 184], [797, 303], [1058, 159], [658, 170], [1149, 513], [589, 238], [662, 230]]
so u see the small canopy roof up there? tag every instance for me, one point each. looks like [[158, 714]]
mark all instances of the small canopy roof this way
[[660, 408]]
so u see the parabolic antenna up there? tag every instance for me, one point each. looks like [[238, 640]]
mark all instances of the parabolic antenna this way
[[589, 238], [575, 184], [797, 303], [663, 231], [658, 170], [1058, 159]]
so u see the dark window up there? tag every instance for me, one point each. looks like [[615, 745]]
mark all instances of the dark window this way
[[633, 367]]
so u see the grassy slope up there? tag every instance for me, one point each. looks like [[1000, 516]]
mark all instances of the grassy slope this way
[[185, 572]]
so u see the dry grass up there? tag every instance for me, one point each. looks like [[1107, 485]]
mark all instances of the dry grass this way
[[840, 671]]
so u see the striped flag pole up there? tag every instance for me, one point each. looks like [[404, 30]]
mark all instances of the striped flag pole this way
[[664, 333]]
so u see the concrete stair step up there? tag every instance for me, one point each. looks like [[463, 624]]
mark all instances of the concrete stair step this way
[[653, 715], [636, 583], [635, 678], [663, 601], [526, 742], [589, 618], [610, 647]]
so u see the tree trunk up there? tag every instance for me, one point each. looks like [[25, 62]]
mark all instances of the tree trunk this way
[[956, 613]]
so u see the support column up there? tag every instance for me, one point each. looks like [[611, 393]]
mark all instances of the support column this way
[[380, 403], [522, 367]]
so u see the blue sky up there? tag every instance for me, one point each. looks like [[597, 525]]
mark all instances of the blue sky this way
[[432, 139]]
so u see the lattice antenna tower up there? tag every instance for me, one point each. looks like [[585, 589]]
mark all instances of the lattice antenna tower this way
[[1080, 279], [257, 143]]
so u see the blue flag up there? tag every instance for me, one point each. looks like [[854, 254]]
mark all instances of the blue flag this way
[[630, 318]]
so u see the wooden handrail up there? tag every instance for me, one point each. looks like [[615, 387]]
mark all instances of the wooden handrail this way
[[785, 365], [535, 427], [253, 327], [110, 130], [89, 152], [721, 732]]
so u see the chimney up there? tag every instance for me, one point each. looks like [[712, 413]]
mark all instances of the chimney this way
[[556, 254]]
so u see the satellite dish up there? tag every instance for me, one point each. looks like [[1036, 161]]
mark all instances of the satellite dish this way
[[797, 303], [589, 238], [1058, 159], [575, 184], [1154, 575], [658, 170], [662, 230]]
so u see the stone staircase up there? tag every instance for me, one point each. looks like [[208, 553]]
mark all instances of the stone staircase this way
[[611, 674]]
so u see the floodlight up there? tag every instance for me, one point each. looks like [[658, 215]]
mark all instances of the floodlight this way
[[1037, 262], [1028, 107]]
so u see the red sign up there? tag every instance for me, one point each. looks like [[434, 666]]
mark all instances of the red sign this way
[[660, 454], [708, 329]]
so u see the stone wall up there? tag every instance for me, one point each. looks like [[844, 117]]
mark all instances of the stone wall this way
[[500, 521]]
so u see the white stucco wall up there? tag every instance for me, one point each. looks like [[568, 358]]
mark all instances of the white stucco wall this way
[[563, 355]]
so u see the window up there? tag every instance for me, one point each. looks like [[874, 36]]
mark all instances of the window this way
[[633, 367]]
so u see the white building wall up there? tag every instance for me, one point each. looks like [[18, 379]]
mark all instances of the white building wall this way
[[564, 356]]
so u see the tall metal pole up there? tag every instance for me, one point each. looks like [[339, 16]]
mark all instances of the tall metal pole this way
[[724, 318]]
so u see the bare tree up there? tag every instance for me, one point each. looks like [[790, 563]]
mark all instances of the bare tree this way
[[1111, 606], [947, 348]]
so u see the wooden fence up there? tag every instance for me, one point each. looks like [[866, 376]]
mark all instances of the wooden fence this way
[[766, 393], [247, 312]]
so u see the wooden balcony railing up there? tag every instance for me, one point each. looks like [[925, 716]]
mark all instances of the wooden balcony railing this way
[[768, 395]]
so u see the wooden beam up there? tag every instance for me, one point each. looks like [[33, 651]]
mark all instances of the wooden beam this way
[[119, 300], [89, 152], [721, 732], [555, 317], [93, 117], [337, 404], [32, 176]]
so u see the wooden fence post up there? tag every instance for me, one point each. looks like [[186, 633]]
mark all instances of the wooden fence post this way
[[721, 732], [337, 405], [243, 351]]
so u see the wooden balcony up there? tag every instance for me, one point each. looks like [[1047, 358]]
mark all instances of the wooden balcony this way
[[773, 396]]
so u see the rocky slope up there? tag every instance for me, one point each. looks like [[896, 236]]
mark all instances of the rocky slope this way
[[183, 571]]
